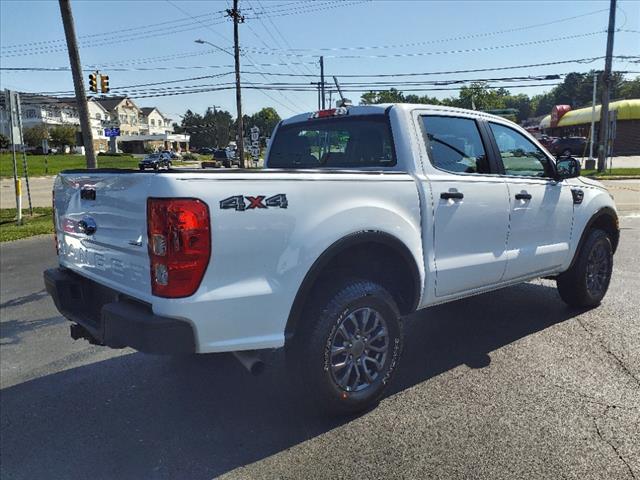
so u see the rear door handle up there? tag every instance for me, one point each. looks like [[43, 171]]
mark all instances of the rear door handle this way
[[523, 196], [454, 195]]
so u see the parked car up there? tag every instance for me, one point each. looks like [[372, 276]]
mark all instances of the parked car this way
[[155, 161], [325, 251], [225, 157], [567, 146], [546, 140], [172, 155]]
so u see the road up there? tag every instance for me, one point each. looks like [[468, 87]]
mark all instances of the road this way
[[511, 384]]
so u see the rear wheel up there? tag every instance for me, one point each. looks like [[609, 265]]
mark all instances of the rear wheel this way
[[348, 348], [587, 281]]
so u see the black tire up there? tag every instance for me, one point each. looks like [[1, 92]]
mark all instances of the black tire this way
[[310, 354], [586, 282], [156, 166]]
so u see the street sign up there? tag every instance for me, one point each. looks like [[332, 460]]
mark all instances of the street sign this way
[[255, 144], [112, 132], [255, 134]]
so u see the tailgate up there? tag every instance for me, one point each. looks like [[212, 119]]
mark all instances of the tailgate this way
[[102, 228]]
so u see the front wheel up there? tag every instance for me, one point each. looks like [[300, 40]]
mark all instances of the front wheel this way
[[587, 281], [348, 348]]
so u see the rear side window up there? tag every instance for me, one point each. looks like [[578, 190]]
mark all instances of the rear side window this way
[[454, 144], [334, 143]]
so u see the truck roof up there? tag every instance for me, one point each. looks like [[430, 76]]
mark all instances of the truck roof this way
[[380, 109]]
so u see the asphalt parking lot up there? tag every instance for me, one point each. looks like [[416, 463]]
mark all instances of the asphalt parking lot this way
[[511, 384]]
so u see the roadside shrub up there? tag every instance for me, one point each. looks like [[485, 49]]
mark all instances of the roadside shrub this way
[[109, 154], [189, 156]]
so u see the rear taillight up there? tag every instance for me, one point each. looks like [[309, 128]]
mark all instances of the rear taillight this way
[[179, 242], [55, 226]]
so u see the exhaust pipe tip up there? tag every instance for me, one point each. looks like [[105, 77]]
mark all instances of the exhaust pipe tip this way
[[251, 361]]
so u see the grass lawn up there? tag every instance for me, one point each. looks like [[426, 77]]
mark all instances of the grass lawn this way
[[40, 223], [57, 163], [612, 173]]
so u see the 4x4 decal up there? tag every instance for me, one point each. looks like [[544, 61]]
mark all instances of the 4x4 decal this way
[[239, 202]]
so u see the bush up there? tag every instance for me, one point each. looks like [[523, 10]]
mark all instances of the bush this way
[[109, 154], [149, 150], [189, 156]]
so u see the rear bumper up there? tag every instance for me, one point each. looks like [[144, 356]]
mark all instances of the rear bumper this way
[[113, 319]]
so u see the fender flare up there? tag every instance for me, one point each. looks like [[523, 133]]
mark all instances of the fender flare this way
[[351, 240], [599, 214]]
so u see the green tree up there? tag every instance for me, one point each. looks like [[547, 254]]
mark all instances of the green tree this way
[[392, 95], [266, 120], [35, 135], [61, 135], [630, 89], [4, 141]]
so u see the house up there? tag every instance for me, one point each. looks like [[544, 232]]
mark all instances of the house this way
[[141, 129], [39, 110], [153, 122], [123, 114]]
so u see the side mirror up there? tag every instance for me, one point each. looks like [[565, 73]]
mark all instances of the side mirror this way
[[567, 167]]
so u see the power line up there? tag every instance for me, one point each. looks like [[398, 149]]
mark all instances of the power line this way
[[107, 42], [443, 40], [631, 58], [445, 52], [220, 35]]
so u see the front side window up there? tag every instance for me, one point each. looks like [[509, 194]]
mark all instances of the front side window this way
[[354, 142], [454, 144], [520, 156]]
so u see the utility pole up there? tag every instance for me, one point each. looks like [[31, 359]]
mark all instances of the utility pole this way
[[606, 87], [237, 18], [593, 115], [322, 80], [76, 71]]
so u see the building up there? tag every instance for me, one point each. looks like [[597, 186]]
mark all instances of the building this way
[[123, 114], [625, 124], [53, 111], [141, 129], [153, 122]]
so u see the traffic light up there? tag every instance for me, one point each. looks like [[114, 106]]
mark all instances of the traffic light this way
[[104, 83], [93, 82]]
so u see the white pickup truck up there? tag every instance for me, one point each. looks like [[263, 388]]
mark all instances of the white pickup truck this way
[[362, 215]]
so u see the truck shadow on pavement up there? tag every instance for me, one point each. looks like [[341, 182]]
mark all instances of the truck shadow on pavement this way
[[144, 416]]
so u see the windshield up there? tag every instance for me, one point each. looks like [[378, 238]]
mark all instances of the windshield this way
[[346, 142]]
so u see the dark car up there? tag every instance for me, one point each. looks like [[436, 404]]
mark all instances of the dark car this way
[[225, 157], [155, 161], [546, 140], [173, 155], [567, 146], [205, 151]]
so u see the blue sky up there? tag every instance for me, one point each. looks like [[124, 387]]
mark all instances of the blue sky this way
[[425, 35]]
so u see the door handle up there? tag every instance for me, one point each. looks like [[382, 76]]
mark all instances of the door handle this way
[[454, 195], [523, 196]]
